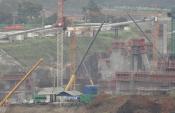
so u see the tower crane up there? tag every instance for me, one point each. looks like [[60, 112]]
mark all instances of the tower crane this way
[[60, 14]]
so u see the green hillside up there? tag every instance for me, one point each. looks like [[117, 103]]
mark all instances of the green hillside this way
[[28, 51]]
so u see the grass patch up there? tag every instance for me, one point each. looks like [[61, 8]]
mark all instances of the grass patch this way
[[28, 51]]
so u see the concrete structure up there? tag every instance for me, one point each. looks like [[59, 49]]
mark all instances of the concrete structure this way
[[118, 80], [164, 36]]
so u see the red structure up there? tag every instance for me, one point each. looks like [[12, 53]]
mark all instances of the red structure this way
[[60, 18], [14, 27]]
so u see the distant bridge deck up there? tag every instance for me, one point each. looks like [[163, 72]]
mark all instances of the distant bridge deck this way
[[163, 77]]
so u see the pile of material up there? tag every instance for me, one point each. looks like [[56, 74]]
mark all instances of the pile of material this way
[[133, 104]]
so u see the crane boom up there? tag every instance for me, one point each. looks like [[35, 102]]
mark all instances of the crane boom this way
[[73, 77], [96, 25], [20, 82]]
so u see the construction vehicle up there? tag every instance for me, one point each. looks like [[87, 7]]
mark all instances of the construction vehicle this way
[[26, 76], [84, 98], [73, 76]]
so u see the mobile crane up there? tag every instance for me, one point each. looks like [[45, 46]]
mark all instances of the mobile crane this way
[[26, 76], [73, 76]]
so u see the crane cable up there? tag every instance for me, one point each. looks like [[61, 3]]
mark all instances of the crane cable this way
[[144, 34]]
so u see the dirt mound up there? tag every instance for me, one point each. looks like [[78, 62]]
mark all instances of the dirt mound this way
[[132, 104], [148, 104], [167, 104], [140, 104], [107, 104]]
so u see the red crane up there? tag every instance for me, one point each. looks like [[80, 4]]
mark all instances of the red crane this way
[[60, 18]]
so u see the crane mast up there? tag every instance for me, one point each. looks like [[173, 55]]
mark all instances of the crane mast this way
[[60, 43]]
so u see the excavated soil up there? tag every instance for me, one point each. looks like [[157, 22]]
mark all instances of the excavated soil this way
[[107, 104]]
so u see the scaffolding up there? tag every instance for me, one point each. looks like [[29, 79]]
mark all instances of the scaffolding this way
[[60, 53], [173, 35]]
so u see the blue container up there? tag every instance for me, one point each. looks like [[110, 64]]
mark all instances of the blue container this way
[[90, 90]]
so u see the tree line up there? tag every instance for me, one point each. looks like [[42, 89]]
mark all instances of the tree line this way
[[22, 12], [28, 12]]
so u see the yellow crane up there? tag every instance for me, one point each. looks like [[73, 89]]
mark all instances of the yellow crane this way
[[6, 97], [96, 25], [73, 76]]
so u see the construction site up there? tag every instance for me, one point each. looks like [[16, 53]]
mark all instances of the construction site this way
[[76, 66]]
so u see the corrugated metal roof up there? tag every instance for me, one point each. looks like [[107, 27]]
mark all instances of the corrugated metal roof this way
[[69, 93], [50, 91], [74, 93]]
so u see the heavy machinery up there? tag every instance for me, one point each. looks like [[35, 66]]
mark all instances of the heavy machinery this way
[[26, 76], [84, 98], [72, 57], [73, 76]]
